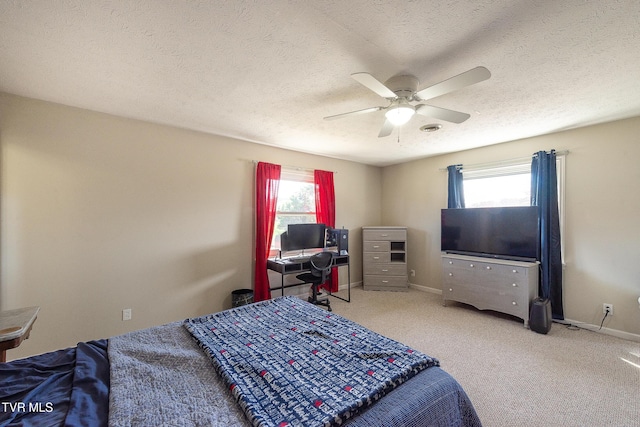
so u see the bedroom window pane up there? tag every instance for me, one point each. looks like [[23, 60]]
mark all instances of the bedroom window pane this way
[[296, 202], [498, 191]]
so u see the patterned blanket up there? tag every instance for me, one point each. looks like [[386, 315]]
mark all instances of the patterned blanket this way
[[289, 363]]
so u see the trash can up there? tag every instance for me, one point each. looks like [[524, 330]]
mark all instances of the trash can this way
[[241, 297]]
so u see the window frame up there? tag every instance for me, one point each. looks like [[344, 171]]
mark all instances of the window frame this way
[[292, 175]]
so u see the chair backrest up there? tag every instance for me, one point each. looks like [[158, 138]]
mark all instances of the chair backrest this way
[[321, 264]]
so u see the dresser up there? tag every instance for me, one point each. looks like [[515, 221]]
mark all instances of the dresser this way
[[384, 258], [490, 284]]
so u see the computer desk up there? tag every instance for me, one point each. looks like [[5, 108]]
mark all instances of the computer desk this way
[[299, 265]]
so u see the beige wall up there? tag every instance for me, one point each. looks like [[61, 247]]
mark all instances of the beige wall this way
[[101, 213], [602, 234]]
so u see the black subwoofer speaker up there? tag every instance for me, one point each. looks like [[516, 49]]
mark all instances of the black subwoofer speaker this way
[[540, 315]]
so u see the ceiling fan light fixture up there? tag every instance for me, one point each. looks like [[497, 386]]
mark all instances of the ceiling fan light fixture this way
[[400, 113]]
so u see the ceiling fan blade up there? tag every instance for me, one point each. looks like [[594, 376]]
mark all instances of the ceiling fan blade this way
[[353, 113], [473, 76], [373, 84], [441, 113], [386, 130]]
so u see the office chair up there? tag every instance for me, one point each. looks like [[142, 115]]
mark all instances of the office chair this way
[[320, 272]]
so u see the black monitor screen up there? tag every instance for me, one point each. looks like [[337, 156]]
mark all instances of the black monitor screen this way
[[304, 236]]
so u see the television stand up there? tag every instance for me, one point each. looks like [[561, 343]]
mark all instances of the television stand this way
[[501, 285]]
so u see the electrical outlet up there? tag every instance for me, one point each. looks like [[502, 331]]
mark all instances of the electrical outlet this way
[[607, 309], [126, 314], [413, 273]]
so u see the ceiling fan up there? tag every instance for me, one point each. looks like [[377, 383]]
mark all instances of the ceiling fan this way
[[402, 91]]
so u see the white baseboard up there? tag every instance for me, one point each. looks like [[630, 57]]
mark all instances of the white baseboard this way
[[346, 286], [607, 331], [425, 289]]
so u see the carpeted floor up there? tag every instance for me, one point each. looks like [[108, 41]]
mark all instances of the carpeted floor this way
[[514, 377]]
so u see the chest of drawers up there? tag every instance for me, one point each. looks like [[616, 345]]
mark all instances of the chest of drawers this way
[[490, 284], [384, 258]]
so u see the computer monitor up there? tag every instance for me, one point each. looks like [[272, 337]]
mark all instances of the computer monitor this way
[[304, 236]]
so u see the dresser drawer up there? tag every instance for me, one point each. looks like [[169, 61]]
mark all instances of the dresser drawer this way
[[376, 257], [374, 246], [483, 298], [505, 283], [386, 234], [494, 268], [385, 283], [385, 269], [458, 275]]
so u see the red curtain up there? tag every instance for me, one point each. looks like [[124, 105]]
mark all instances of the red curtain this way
[[267, 181], [326, 210]]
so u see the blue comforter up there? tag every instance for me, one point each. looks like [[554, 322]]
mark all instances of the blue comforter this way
[[63, 388]]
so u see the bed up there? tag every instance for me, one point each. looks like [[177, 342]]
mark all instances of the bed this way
[[281, 362]]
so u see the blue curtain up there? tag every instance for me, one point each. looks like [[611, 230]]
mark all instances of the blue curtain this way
[[456, 193], [544, 194]]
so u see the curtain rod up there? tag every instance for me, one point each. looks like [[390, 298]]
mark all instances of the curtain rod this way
[[297, 168], [505, 162]]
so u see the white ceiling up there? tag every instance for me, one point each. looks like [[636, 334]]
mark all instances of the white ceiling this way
[[269, 71]]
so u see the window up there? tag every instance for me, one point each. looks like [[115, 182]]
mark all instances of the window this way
[[296, 202], [505, 185], [508, 184], [497, 186]]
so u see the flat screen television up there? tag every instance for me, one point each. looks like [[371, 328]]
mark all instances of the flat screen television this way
[[303, 236], [507, 232]]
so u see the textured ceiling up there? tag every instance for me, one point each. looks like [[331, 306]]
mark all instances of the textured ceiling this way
[[269, 71]]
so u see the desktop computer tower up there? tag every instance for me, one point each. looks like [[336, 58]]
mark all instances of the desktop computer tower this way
[[338, 237]]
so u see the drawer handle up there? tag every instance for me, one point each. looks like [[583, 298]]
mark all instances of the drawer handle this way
[[385, 281], [384, 270], [471, 265], [514, 303], [515, 285], [450, 290], [450, 274], [376, 257], [488, 267], [450, 262], [376, 246], [515, 271], [384, 235]]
